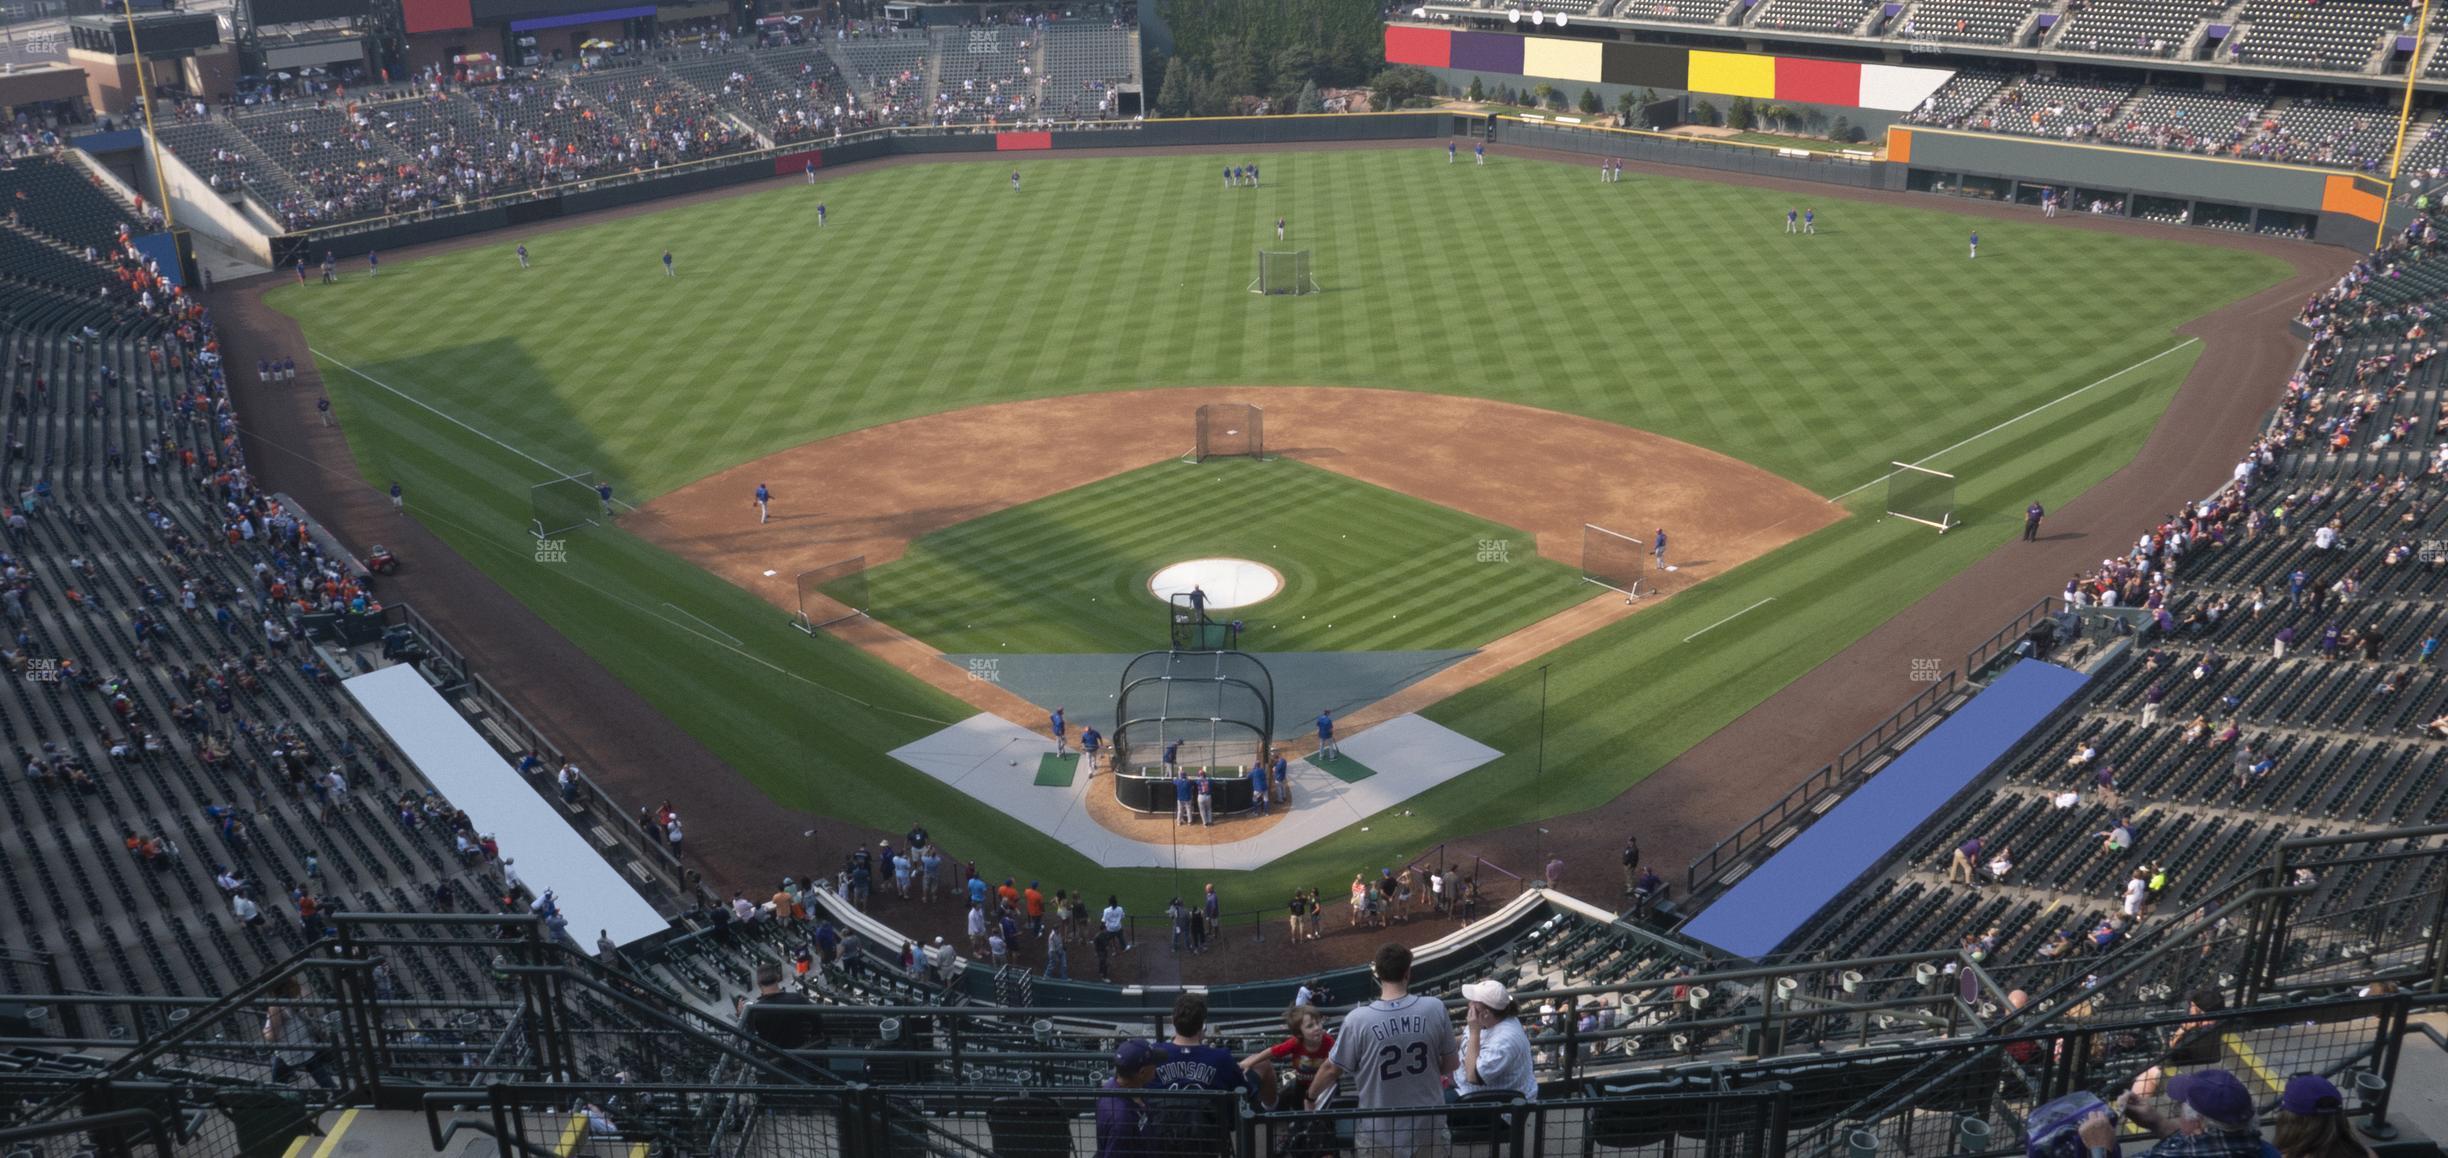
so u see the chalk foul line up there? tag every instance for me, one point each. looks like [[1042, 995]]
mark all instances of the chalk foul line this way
[[2018, 418], [1729, 619]]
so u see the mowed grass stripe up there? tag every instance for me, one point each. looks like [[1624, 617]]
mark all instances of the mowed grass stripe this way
[[1668, 305], [1075, 565]]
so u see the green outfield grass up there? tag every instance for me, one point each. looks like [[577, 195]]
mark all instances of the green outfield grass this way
[[1364, 568], [1675, 306]]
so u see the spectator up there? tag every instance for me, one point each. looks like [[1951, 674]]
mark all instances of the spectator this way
[[1304, 1051], [1966, 862], [2213, 1119], [1495, 1051], [774, 1017], [1125, 1126], [1189, 1063], [2312, 1122], [1399, 1048]]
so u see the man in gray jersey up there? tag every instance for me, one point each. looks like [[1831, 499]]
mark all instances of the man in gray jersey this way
[[1398, 1049]]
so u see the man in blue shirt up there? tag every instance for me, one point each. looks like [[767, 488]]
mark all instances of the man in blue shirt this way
[[522, 256], [1181, 795], [1975, 243], [2031, 520], [763, 497], [1282, 781], [1090, 741], [1172, 758], [1056, 722], [1658, 548], [1325, 734], [1258, 788]]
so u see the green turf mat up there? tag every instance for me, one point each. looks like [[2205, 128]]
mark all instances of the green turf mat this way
[[1056, 771], [1345, 769]]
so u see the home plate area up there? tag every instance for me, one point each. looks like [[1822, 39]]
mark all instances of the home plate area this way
[[1014, 771]]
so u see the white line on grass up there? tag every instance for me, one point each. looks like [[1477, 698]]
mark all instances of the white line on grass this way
[[741, 650], [708, 626], [2019, 417], [1729, 619], [437, 412]]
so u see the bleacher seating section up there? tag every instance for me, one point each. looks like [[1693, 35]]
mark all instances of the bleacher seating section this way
[[2190, 122], [159, 730], [2133, 27], [1957, 99], [432, 151], [1966, 21], [2336, 35], [1813, 15], [1680, 11], [2040, 107]]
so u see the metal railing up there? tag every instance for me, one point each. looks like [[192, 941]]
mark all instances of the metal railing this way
[[1815, 795], [397, 1006], [2008, 635]]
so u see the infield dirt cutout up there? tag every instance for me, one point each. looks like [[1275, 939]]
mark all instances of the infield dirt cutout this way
[[871, 492]]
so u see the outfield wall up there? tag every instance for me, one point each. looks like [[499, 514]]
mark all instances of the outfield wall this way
[[1696, 152], [2343, 209], [2334, 208]]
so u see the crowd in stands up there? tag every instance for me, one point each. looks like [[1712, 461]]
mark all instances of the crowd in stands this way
[[446, 140], [192, 793], [2235, 123]]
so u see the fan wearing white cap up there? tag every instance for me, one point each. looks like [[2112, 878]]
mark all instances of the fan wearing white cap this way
[[1495, 1051]]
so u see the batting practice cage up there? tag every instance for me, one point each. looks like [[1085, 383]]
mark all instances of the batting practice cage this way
[[1189, 627], [563, 505], [1922, 495], [1226, 429], [832, 593], [1283, 272], [1614, 560], [1213, 710]]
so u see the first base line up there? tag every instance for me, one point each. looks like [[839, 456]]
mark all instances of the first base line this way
[[1926, 459], [1729, 619]]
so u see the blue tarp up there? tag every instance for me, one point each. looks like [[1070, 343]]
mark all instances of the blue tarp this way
[[110, 142], [162, 248], [1770, 905], [576, 18]]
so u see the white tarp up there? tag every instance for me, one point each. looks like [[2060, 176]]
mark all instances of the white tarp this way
[[478, 781]]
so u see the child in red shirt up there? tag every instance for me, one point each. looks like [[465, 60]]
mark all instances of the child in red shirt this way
[[1300, 1055]]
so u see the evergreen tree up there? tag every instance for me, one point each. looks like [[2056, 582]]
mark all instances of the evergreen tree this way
[[1174, 99]]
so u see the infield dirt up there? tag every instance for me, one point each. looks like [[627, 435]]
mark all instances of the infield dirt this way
[[871, 492]]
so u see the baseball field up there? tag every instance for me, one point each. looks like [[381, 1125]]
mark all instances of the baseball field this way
[[1676, 308]]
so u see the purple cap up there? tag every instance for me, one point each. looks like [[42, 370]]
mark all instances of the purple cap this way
[[2214, 1094], [1133, 1055], [2311, 1094]]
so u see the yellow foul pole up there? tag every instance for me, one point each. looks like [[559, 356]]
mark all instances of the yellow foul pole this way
[[2405, 115]]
